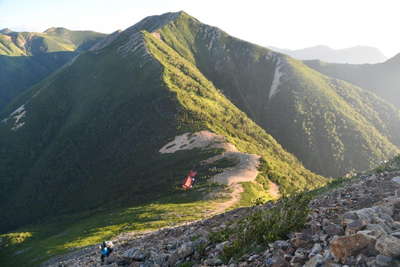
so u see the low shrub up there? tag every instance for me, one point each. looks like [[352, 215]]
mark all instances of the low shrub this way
[[264, 226]]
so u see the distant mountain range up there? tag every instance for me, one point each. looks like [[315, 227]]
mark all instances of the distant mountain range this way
[[90, 132], [6, 31], [382, 79], [28, 57], [352, 55]]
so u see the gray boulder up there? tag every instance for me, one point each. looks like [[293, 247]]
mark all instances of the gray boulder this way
[[388, 246], [134, 254]]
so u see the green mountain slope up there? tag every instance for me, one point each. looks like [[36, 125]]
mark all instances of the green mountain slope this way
[[26, 58], [51, 40], [338, 127], [383, 79], [89, 134], [331, 126]]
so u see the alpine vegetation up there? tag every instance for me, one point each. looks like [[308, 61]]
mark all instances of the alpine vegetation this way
[[232, 153]]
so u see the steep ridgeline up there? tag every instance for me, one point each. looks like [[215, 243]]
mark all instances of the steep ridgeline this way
[[26, 57], [90, 134], [332, 126], [351, 55], [383, 79]]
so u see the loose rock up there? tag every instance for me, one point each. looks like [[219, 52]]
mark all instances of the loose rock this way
[[345, 246], [388, 246]]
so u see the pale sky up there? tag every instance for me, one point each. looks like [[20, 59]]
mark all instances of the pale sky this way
[[289, 24]]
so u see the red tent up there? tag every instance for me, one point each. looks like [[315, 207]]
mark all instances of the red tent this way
[[189, 179]]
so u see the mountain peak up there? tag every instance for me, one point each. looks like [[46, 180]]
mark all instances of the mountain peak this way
[[149, 24], [56, 30], [6, 31], [152, 23]]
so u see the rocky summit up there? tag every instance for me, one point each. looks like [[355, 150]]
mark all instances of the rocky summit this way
[[357, 224]]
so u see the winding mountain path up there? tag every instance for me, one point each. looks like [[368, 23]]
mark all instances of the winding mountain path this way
[[235, 198], [246, 169]]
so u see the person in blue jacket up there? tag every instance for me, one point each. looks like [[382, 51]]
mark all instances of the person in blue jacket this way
[[105, 249]]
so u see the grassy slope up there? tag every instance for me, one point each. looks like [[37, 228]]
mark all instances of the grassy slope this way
[[309, 103], [98, 125], [187, 96], [92, 117], [17, 74], [33, 244], [382, 79], [52, 40], [337, 128], [74, 39], [26, 58], [39, 242], [8, 47], [211, 110], [199, 105]]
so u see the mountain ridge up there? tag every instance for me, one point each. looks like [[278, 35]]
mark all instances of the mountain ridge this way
[[88, 139], [26, 58], [352, 55], [381, 78], [242, 71], [98, 127]]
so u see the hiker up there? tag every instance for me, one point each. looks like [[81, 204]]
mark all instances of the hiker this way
[[105, 249]]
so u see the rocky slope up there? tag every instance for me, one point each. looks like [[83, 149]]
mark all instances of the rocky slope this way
[[354, 225]]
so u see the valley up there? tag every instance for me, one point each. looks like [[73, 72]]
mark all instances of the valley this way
[[98, 132]]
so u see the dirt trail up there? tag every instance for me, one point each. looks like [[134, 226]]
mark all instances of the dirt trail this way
[[235, 198], [246, 169], [274, 190]]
